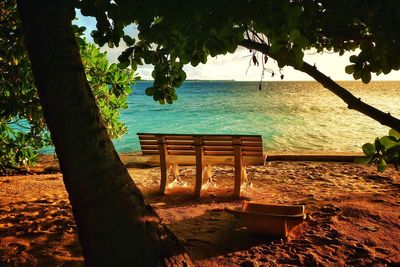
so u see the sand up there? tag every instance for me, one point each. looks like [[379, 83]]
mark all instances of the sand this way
[[353, 216]]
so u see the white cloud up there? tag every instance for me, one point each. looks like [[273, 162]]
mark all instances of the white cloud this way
[[236, 67]]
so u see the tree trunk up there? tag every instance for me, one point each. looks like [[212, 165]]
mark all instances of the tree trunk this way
[[116, 226], [351, 101]]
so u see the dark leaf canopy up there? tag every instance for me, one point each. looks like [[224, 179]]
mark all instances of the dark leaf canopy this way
[[174, 33]]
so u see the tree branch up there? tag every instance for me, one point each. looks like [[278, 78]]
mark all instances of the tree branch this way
[[351, 101]]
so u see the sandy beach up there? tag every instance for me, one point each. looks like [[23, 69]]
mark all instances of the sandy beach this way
[[353, 216]]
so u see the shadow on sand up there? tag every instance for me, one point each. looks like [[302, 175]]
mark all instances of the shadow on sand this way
[[215, 233]]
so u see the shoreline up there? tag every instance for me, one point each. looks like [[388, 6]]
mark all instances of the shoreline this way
[[48, 163], [319, 156]]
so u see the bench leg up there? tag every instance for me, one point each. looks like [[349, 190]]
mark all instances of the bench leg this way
[[199, 179], [199, 171], [238, 179], [164, 175], [238, 165]]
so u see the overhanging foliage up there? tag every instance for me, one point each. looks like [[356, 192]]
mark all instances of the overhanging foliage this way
[[22, 127]]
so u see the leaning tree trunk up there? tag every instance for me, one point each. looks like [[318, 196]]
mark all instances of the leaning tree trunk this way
[[116, 226]]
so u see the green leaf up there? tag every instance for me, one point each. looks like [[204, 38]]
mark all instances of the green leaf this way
[[369, 149], [298, 56], [294, 34], [281, 64], [394, 133], [169, 99], [366, 46], [382, 165], [353, 59], [388, 142], [357, 74], [366, 76], [123, 65], [301, 41], [349, 69], [150, 91], [128, 40]]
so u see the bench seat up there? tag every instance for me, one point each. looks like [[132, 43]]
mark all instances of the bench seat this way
[[203, 151]]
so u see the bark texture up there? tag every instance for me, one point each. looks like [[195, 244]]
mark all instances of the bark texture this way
[[351, 101], [116, 226]]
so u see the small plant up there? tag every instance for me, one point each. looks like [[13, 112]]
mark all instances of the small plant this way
[[384, 150]]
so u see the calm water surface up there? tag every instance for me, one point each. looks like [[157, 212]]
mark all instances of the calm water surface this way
[[291, 116]]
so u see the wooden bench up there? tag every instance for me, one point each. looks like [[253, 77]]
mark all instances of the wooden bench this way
[[203, 151]]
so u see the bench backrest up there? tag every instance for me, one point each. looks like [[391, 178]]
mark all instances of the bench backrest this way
[[217, 149]]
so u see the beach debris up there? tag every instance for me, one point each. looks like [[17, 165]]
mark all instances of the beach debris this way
[[371, 228], [269, 219]]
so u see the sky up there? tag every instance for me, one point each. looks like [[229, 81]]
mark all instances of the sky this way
[[236, 66]]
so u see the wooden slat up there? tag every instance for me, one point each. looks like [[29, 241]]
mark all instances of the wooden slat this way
[[251, 143], [251, 138], [150, 152], [149, 147], [181, 152], [218, 148], [147, 137], [218, 138], [181, 142], [219, 160], [219, 153], [148, 142], [180, 147], [218, 143], [202, 135], [180, 137]]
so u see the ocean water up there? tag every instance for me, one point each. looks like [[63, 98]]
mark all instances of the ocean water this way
[[290, 116]]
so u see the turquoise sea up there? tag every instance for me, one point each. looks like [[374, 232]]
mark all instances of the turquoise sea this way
[[291, 116]]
